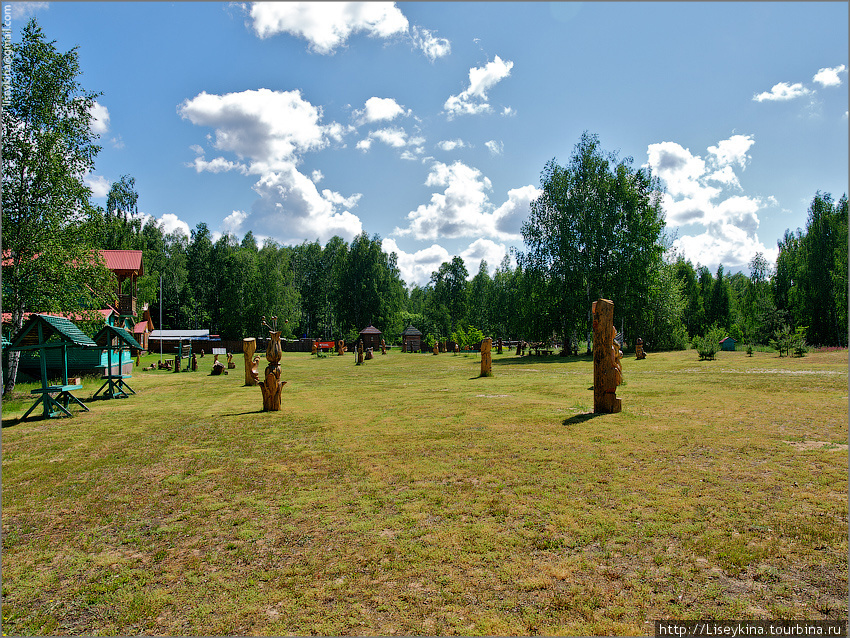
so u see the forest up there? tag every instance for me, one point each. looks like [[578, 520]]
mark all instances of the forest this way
[[334, 291]]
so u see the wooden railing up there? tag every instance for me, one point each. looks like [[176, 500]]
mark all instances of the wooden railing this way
[[126, 304]]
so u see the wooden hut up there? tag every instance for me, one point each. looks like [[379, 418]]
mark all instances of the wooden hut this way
[[411, 339], [727, 344], [371, 337]]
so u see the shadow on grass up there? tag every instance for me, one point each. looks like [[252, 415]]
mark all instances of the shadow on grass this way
[[581, 418], [260, 411]]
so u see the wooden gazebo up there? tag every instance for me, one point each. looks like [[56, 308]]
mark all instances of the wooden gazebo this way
[[43, 333], [114, 338]]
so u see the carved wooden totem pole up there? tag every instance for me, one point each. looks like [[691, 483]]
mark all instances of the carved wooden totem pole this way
[[383, 347], [359, 352], [249, 346], [272, 385], [607, 373], [487, 357]]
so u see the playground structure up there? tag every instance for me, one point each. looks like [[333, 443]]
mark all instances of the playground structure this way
[[43, 333], [607, 372], [110, 337]]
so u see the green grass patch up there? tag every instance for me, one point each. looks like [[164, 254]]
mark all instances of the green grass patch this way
[[410, 495]]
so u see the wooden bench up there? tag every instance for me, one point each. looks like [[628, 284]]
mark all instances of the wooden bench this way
[[63, 394]]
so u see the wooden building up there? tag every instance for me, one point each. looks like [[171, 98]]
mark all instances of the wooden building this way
[[411, 340], [371, 337]]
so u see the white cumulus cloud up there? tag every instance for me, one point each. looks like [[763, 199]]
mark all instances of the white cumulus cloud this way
[[99, 123], [269, 132], [462, 207], [327, 25], [829, 76], [697, 194], [450, 145], [473, 99], [379, 108], [23, 10], [781, 92], [416, 267], [98, 184]]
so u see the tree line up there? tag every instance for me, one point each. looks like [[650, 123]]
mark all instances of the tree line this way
[[597, 230]]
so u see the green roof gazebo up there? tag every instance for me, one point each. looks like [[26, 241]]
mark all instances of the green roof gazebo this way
[[43, 333], [110, 337]]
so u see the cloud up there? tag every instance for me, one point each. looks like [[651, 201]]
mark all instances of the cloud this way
[[269, 131], [117, 142], [508, 217], [170, 223], [327, 25], [317, 176], [450, 145], [394, 138], [463, 208], [829, 76], [483, 250], [496, 148], [473, 100], [268, 127], [782, 92], [730, 221], [217, 165], [379, 108], [99, 185], [416, 268], [23, 10], [432, 46], [732, 151], [99, 123]]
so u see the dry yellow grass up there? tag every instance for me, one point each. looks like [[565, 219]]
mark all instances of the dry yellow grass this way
[[409, 496]]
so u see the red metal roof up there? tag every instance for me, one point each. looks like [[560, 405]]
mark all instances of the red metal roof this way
[[124, 260]]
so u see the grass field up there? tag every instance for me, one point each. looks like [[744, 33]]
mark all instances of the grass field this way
[[409, 496]]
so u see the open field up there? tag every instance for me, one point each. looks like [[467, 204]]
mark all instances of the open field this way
[[408, 496]]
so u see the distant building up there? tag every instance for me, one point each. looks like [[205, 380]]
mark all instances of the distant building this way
[[727, 344], [411, 340], [371, 337]]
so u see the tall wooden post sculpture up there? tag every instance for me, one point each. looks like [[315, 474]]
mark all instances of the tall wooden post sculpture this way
[[272, 386], [249, 346], [487, 357], [639, 353], [607, 373], [359, 352], [383, 347]]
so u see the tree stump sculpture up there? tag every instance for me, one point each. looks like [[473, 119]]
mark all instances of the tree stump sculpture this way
[[359, 352], [436, 349], [313, 348], [272, 385], [499, 348], [230, 364], [639, 353], [383, 347], [249, 346], [487, 357], [607, 373]]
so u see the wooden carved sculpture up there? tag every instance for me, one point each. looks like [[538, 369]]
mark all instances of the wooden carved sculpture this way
[[499, 348], [249, 346], [639, 353], [487, 357], [359, 352], [607, 373], [230, 364], [436, 348], [383, 347], [272, 384]]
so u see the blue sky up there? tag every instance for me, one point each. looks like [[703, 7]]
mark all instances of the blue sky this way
[[429, 124]]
